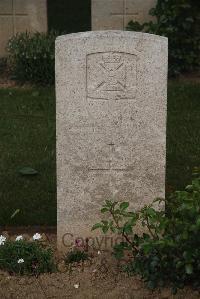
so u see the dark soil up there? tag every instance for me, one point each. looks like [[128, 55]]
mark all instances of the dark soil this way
[[99, 277]]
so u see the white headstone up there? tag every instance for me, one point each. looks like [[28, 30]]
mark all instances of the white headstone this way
[[111, 90]]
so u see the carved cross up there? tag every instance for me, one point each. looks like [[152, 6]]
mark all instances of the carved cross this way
[[13, 15], [109, 168], [124, 13]]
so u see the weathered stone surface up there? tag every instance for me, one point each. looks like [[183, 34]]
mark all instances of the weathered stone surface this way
[[6, 32], [20, 16], [5, 7], [111, 89], [116, 14]]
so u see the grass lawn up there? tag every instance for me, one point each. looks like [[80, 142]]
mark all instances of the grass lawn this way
[[183, 133], [27, 139]]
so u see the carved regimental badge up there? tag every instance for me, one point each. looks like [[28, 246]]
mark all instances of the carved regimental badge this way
[[111, 75]]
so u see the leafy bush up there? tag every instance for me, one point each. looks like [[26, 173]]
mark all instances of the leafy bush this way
[[179, 20], [75, 256], [3, 65], [23, 257], [32, 57], [169, 253]]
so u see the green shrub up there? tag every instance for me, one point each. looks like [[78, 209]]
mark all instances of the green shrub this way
[[23, 257], [75, 257], [169, 253], [3, 65], [32, 57], [179, 20]]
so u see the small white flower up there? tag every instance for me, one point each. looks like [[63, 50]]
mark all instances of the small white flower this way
[[20, 261], [99, 252], [76, 286], [37, 237], [19, 238], [2, 240]]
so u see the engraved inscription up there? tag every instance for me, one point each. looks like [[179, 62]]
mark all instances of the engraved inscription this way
[[111, 75], [110, 157]]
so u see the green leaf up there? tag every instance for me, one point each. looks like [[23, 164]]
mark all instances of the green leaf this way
[[189, 188], [198, 222], [189, 269], [179, 264], [35, 94], [104, 210], [105, 222], [190, 19], [105, 229], [185, 5], [108, 203], [119, 254], [124, 205], [96, 226], [187, 255], [28, 171], [15, 213], [113, 229], [127, 228], [147, 247]]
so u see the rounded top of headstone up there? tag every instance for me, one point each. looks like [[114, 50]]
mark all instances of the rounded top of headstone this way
[[111, 33]]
